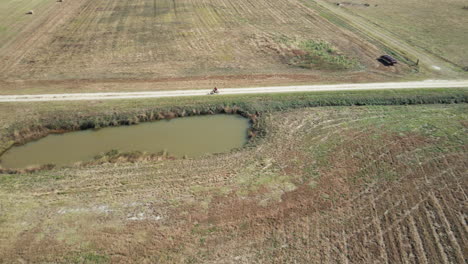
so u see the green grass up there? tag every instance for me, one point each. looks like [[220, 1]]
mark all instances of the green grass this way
[[392, 50], [324, 54], [441, 32], [38, 118], [88, 258], [204, 202], [315, 54], [443, 127]]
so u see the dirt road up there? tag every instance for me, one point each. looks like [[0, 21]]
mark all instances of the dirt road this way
[[389, 39], [232, 91]]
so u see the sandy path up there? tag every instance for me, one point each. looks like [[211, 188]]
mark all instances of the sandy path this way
[[232, 91]]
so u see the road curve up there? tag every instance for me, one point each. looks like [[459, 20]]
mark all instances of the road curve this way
[[233, 91]]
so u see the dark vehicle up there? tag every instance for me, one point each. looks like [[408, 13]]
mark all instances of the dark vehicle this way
[[388, 60]]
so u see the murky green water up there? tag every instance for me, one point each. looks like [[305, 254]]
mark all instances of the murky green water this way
[[191, 136]]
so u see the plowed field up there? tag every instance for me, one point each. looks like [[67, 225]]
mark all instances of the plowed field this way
[[374, 184], [143, 39]]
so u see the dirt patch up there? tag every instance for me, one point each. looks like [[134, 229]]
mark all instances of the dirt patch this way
[[182, 83], [335, 184], [173, 43]]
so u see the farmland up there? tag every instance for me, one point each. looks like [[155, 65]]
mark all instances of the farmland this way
[[227, 42], [348, 176], [330, 184], [438, 27]]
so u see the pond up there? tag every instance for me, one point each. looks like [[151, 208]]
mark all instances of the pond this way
[[188, 136]]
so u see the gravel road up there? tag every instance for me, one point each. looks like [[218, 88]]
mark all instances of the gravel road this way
[[232, 91]]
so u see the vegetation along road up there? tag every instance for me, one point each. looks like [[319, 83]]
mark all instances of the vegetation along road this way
[[389, 39], [227, 91]]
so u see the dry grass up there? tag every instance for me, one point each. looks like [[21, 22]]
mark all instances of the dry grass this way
[[436, 26], [164, 39], [13, 19], [358, 184]]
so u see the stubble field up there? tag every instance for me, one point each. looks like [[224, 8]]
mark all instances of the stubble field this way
[[438, 27], [343, 177], [154, 40], [369, 184]]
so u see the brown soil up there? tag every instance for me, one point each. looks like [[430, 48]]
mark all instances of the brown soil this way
[[180, 83], [331, 185], [100, 46]]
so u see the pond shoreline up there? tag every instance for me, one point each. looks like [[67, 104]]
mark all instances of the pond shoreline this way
[[58, 126], [56, 118], [181, 137]]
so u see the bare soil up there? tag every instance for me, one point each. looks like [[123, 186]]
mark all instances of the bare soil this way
[[436, 27], [103, 45], [376, 184]]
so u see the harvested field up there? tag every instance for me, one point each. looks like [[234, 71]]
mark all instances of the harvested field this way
[[20, 33], [369, 184], [168, 39], [438, 27]]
